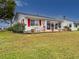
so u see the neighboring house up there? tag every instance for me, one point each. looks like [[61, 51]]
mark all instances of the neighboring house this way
[[69, 24], [42, 24], [76, 25]]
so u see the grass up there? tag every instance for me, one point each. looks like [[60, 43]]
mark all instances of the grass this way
[[62, 45]]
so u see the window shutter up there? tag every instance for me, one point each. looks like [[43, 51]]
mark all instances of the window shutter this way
[[22, 21], [40, 22]]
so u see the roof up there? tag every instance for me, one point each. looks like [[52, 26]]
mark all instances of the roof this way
[[43, 17], [34, 15]]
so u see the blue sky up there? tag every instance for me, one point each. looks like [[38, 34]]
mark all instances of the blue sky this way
[[53, 8]]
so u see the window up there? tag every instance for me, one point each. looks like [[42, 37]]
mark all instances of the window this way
[[52, 26], [36, 22], [59, 25], [56, 26], [32, 22], [70, 25], [48, 25], [75, 25]]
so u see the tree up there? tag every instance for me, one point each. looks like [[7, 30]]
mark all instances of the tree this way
[[7, 8]]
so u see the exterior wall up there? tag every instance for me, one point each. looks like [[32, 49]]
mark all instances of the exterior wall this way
[[35, 27], [21, 17], [58, 29], [73, 27], [67, 23], [43, 26], [76, 25], [39, 28]]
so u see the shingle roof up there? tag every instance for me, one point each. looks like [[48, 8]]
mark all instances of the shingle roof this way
[[34, 15], [45, 17]]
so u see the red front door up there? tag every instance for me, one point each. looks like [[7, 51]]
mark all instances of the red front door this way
[[28, 22]]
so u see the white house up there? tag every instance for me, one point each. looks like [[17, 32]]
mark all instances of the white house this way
[[69, 24], [36, 23]]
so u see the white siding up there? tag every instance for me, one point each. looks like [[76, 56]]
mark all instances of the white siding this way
[[67, 23]]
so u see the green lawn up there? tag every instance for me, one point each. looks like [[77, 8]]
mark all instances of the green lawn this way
[[62, 45]]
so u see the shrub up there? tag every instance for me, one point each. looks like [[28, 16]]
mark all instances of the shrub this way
[[78, 29], [10, 28], [19, 28], [66, 28]]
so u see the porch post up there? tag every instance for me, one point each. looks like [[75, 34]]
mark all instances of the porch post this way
[[45, 24], [54, 25]]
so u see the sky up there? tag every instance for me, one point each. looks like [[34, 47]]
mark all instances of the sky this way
[[51, 8]]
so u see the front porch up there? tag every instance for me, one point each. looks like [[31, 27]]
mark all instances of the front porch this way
[[54, 26]]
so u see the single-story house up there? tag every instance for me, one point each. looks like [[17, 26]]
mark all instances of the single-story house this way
[[36, 23], [76, 24]]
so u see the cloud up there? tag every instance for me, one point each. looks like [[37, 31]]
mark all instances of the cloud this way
[[21, 3]]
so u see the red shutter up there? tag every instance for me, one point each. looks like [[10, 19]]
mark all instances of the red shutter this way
[[28, 22], [22, 21], [40, 22]]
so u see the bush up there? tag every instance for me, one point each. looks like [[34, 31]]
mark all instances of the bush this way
[[19, 28], [66, 28], [10, 28], [78, 29]]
